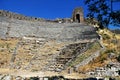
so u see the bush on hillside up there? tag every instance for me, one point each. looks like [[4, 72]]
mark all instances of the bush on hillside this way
[[118, 58], [105, 36]]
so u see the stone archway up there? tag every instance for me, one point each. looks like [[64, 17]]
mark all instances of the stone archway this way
[[77, 15], [78, 18]]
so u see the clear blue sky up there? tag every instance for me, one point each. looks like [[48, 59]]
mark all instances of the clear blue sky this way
[[49, 9]]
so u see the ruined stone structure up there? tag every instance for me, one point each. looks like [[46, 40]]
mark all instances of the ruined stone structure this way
[[48, 45], [18, 16], [48, 30], [45, 45], [78, 15], [17, 25]]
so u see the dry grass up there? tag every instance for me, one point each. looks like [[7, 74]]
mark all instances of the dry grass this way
[[93, 48], [98, 62], [51, 47], [25, 52], [6, 70], [112, 43], [6, 48]]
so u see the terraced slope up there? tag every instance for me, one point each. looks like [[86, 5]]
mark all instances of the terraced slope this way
[[66, 55], [48, 30], [45, 46], [46, 56]]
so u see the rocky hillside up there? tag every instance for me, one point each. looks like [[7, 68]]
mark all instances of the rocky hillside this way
[[41, 46], [107, 62]]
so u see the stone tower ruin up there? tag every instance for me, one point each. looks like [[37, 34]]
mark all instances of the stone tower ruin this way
[[77, 15]]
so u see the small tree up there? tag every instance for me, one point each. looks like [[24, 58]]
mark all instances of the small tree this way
[[101, 11], [115, 16]]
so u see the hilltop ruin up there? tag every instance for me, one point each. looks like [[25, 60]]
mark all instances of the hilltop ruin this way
[[77, 16], [43, 45]]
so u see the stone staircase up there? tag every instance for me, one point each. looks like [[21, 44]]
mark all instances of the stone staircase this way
[[91, 57], [67, 54], [38, 58], [41, 55]]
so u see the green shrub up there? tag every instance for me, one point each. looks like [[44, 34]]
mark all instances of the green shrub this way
[[110, 51], [34, 78], [105, 36], [118, 58]]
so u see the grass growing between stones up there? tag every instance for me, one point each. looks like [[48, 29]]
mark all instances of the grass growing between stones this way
[[111, 41], [93, 48], [6, 50]]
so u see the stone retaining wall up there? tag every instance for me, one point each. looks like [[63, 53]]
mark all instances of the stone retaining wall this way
[[48, 30], [18, 16]]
